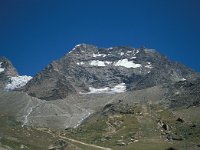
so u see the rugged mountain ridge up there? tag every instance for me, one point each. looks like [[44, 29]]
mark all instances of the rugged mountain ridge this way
[[87, 68]]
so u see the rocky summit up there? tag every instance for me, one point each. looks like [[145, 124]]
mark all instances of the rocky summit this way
[[101, 98], [6, 70], [88, 69]]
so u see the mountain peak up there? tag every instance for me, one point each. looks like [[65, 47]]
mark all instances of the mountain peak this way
[[6, 67], [88, 68], [82, 48], [7, 70]]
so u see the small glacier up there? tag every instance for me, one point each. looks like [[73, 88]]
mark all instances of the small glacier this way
[[119, 88], [17, 82]]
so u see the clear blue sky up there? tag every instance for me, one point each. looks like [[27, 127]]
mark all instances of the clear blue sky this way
[[35, 32]]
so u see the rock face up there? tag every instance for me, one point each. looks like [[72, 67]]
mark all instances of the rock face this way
[[89, 69], [6, 70]]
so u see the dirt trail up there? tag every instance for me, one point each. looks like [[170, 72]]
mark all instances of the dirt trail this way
[[91, 145], [76, 141]]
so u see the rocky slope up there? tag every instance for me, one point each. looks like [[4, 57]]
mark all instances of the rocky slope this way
[[88, 69], [38, 113], [183, 93]]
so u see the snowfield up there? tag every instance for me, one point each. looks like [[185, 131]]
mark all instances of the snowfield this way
[[127, 64], [17, 82], [99, 55], [97, 63], [119, 88]]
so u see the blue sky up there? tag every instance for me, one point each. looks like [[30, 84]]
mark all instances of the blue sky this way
[[35, 32]]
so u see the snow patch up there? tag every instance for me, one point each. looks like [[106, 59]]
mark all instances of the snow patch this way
[[122, 53], [120, 88], [127, 64], [77, 45], [128, 52], [183, 79], [17, 82], [101, 90], [80, 63], [149, 65], [133, 57], [97, 63], [1, 69], [137, 51], [98, 55], [108, 62], [74, 48], [100, 63]]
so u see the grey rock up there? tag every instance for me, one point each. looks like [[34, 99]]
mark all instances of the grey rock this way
[[183, 93], [8, 71]]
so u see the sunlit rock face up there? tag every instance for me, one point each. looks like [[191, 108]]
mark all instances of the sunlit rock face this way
[[87, 69]]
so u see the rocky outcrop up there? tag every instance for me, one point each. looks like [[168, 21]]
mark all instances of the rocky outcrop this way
[[59, 145], [6, 70], [118, 107]]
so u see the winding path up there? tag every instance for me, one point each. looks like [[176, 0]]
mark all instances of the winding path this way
[[76, 141], [91, 145]]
